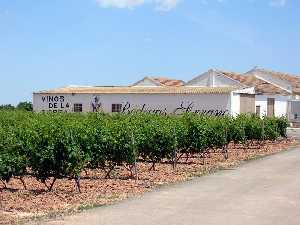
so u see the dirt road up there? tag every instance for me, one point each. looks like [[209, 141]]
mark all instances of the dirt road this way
[[260, 192]]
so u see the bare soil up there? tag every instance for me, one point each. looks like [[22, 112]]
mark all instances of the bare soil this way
[[19, 205]]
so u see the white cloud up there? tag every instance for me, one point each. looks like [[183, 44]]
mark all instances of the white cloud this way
[[166, 5], [120, 3], [162, 5], [278, 3]]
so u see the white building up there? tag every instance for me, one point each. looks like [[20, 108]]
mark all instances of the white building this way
[[214, 92], [286, 95], [276, 94], [164, 96], [270, 99]]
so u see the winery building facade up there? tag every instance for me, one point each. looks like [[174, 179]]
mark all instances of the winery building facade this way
[[214, 92], [158, 100]]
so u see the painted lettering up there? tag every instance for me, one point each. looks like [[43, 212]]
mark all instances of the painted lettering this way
[[55, 103]]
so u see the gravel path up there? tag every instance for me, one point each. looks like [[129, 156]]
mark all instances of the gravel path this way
[[260, 192], [294, 132]]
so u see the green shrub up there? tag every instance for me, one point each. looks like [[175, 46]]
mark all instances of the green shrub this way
[[271, 131], [156, 139], [62, 145]]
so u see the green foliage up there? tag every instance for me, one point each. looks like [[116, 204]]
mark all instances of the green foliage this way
[[13, 161], [26, 106], [282, 124], [198, 129], [23, 106], [63, 145], [55, 148], [236, 130], [7, 107], [271, 128], [251, 126], [156, 137]]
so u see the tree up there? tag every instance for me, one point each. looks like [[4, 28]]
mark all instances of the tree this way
[[7, 107], [26, 106]]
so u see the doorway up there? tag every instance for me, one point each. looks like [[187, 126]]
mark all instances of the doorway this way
[[270, 108], [247, 104]]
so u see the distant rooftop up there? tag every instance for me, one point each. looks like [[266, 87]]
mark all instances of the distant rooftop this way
[[159, 81], [265, 82], [261, 86], [141, 90], [290, 82]]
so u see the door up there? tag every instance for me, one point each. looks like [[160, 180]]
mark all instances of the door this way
[[247, 104], [270, 108], [257, 111]]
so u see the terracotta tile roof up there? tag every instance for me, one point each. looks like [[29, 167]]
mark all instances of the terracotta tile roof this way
[[293, 80], [164, 81], [141, 90], [261, 87]]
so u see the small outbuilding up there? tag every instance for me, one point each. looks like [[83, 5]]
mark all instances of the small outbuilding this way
[[276, 94], [283, 98]]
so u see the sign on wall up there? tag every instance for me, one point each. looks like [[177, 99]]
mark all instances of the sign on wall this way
[[96, 104], [59, 103], [184, 107], [56, 103]]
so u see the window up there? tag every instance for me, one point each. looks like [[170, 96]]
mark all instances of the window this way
[[257, 111], [77, 107], [116, 107]]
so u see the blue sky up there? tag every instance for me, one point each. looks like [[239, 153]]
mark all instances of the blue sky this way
[[46, 44]]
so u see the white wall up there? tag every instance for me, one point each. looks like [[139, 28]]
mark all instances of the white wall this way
[[163, 103], [59, 102], [294, 110], [235, 104], [280, 107]]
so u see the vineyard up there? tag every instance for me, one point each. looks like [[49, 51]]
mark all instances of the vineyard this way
[[48, 147]]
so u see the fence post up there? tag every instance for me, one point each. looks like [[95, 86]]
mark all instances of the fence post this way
[[175, 150], [135, 156]]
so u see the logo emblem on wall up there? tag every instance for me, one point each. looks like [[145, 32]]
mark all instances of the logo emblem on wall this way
[[96, 104]]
